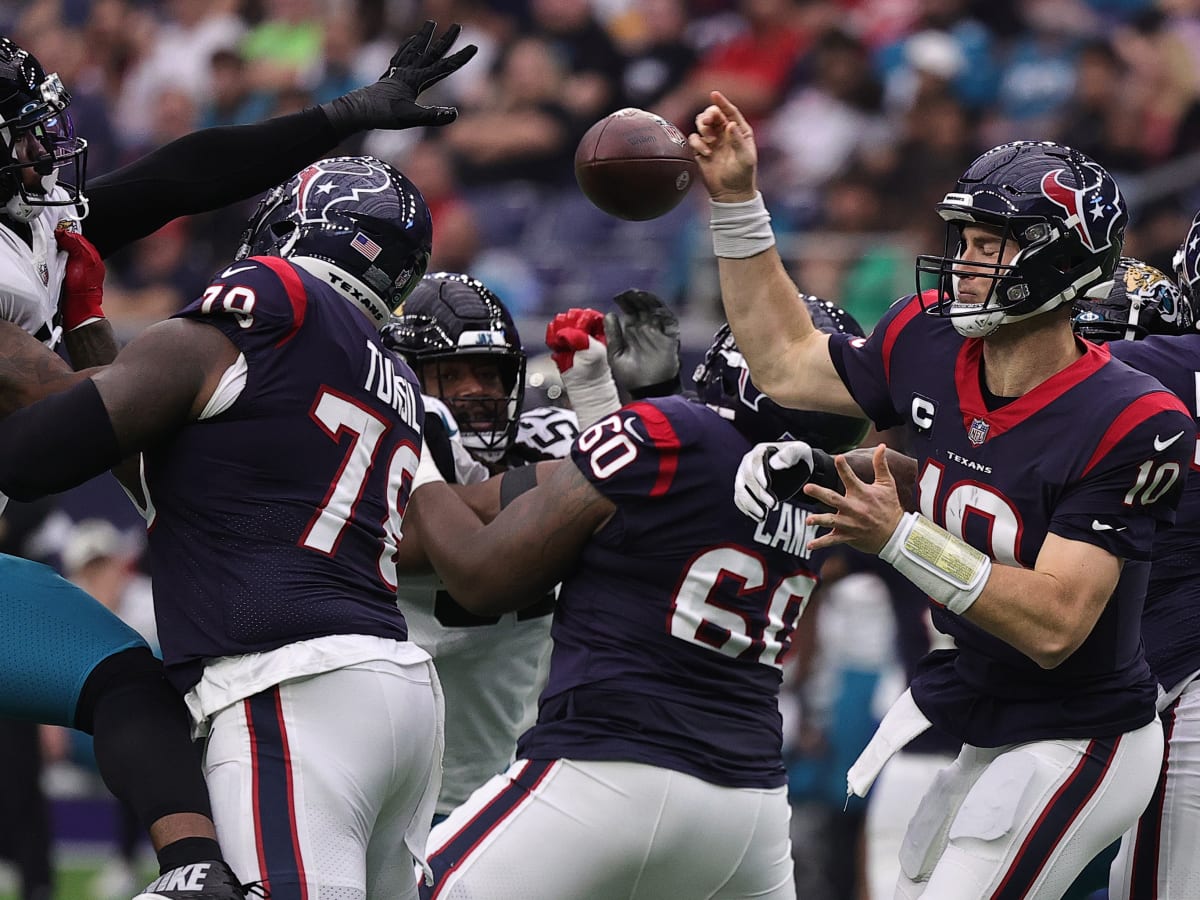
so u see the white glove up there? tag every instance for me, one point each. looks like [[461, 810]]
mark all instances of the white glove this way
[[769, 474]]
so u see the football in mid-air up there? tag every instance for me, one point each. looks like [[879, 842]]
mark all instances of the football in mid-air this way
[[634, 165]]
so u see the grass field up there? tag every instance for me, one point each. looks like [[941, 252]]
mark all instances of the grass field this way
[[76, 874]]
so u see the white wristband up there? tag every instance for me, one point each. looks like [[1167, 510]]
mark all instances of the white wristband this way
[[741, 230], [593, 394], [947, 568]]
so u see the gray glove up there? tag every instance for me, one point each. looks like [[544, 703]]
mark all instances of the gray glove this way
[[391, 102], [643, 345]]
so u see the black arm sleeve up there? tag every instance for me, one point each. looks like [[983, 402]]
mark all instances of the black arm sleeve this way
[[57, 443], [201, 171]]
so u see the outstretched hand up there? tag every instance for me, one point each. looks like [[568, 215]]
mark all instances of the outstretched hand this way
[[643, 344], [420, 63], [866, 515], [725, 151]]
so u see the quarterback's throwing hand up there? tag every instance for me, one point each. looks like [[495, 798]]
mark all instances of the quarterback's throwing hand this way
[[391, 102], [866, 515], [771, 473], [725, 151]]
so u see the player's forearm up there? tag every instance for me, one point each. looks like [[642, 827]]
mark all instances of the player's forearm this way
[[768, 318], [29, 371], [92, 345], [481, 566], [1034, 612]]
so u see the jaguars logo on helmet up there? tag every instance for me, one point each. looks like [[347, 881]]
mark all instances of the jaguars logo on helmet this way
[[37, 139], [1140, 300], [355, 222], [723, 384], [451, 316], [1063, 211]]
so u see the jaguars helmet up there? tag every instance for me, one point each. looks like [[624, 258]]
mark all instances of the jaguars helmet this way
[[723, 384], [1187, 264], [354, 222], [1064, 213], [1140, 300], [36, 135], [451, 316]]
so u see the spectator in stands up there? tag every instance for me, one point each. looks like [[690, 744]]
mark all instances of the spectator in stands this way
[[658, 56], [232, 99], [593, 62], [523, 132]]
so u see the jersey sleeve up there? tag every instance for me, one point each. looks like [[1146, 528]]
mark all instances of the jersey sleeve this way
[[545, 433], [1133, 480], [257, 303], [865, 364], [633, 453]]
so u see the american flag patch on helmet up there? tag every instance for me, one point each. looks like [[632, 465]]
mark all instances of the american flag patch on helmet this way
[[365, 246]]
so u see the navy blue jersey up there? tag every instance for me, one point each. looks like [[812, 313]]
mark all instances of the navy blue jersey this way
[[1171, 622], [1097, 453], [276, 519], [670, 632]]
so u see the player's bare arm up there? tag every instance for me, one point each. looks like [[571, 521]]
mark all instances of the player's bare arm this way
[[522, 554], [82, 426], [29, 371], [1045, 612], [788, 356], [484, 499], [163, 378]]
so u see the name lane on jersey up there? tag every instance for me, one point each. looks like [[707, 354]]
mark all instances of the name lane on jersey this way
[[390, 387], [786, 529]]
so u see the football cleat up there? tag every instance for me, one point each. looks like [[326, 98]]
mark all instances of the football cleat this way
[[209, 880]]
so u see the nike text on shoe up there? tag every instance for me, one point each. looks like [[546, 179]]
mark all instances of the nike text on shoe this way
[[212, 880]]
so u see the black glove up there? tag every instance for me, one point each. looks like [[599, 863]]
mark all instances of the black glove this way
[[787, 483], [391, 101], [643, 345]]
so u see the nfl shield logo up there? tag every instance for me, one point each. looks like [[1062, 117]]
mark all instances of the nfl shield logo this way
[[978, 432]]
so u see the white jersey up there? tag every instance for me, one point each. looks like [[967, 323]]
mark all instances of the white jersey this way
[[30, 277], [491, 668]]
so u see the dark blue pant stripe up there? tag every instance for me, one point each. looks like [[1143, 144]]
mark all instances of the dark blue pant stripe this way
[[1064, 807], [459, 847], [274, 815], [1143, 877]]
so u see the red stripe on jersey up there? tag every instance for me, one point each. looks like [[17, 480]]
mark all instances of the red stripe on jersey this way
[[1131, 417], [295, 292], [970, 394], [665, 441], [915, 307]]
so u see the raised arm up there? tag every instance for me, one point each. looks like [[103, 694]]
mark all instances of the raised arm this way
[[218, 166], [788, 357]]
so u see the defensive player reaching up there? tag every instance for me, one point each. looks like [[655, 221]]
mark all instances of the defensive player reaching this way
[[464, 347], [654, 768], [1150, 324], [1045, 470], [280, 438], [100, 677]]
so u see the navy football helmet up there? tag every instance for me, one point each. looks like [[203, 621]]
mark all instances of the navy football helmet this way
[[1187, 264], [723, 384], [36, 135], [354, 222], [1140, 300], [1063, 211], [454, 316]]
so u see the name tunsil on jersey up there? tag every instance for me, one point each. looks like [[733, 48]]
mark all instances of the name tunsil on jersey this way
[[390, 388]]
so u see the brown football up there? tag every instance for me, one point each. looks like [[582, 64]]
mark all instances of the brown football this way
[[634, 165]]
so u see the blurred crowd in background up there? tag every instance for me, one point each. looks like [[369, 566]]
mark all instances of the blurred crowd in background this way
[[866, 112]]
